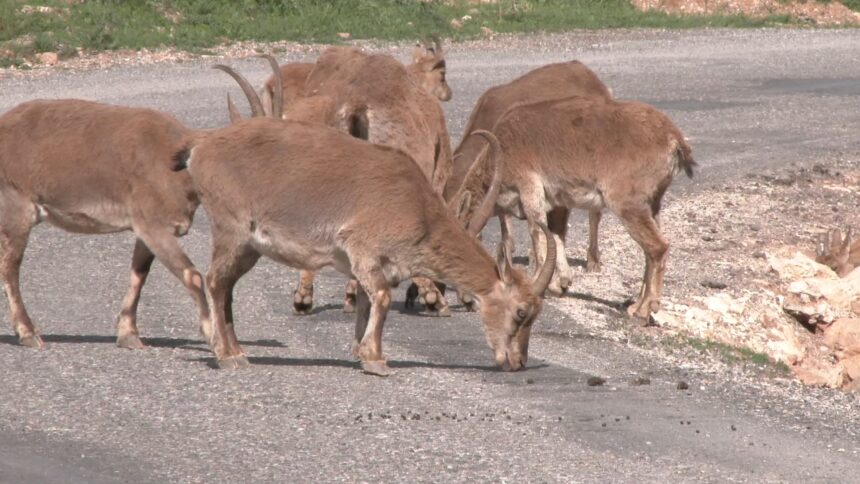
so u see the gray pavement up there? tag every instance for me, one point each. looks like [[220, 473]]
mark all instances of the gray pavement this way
[[84, 410]]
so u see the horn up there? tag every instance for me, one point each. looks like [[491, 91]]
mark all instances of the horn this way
[[847, 240], [485, 211], [253, 98], [541, 282], [278, 98], [235, 115]]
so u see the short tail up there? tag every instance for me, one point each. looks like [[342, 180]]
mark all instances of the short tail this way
[[182, 157], [685, 157]]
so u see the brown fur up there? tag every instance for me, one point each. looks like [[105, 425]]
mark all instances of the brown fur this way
[[842, 254], [373, 97], [94, 168], [274, 188], [427, 69], [591, 153], [553, 81]]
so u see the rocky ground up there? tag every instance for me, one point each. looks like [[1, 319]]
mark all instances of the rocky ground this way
[[812, 12]]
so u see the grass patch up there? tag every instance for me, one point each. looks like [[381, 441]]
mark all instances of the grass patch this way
[[60, 26], [728, 354]]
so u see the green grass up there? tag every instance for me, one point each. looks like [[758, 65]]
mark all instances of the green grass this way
[[198, 24], [728, 354]]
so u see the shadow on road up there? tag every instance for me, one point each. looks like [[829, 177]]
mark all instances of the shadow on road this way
[[192, 344], [330, 362]]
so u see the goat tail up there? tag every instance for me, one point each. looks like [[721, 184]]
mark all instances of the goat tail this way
[[684, 157], [182, 157]]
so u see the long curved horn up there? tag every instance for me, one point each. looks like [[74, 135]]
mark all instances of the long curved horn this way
[[485, 211], [278, 98], [253, 98], [541, 282], [235, 115]]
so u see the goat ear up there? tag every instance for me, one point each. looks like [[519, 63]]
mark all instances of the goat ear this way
[[463, 206], [503, 263], [417, 54]]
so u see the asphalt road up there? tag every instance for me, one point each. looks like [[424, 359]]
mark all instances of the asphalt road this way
[[85, 411]]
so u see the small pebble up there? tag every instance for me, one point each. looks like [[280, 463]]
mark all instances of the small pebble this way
[[682, 385], [734, 428], [595, 381], [529, 381], [712, 284]]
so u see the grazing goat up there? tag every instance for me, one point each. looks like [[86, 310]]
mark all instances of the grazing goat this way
[[370, 97], [589, 153], [275, 188], [427, 69], [93, 168]]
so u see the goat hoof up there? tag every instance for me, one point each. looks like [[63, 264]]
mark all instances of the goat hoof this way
[[411, 296], [234, 363], [349, 303], [302, 309], [639, 312], [376, 367], [556, 290], [32, 341], [302, 303], [130, 341], [592, 266]]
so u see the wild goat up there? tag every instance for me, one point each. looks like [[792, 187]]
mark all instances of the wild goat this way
[[93, 168], [427, 69], [840, 254], [589, 153], [276, 188], [553, 81], [369, 97]]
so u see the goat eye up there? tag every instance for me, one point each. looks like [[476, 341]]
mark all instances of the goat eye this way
[[521, 314]]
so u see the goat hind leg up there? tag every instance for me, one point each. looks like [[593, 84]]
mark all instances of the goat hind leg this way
[[643, 228], [592, 263], [433, 297], [228, 265], [15, 225], [166, 248], [127, 335]]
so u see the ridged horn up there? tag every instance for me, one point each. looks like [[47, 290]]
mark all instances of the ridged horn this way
[[541, 282], [253, 98], [485, 211], [278, 97]]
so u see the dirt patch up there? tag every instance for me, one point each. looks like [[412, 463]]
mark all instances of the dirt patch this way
[[741, 272], [817, 13]]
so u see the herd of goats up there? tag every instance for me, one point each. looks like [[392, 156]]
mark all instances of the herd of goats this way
[[347, 162]]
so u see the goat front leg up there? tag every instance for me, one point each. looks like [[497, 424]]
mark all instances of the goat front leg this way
[[373, 300], [166, 248], [16, 220], [303, 296], [562, 278], [127, 335]]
